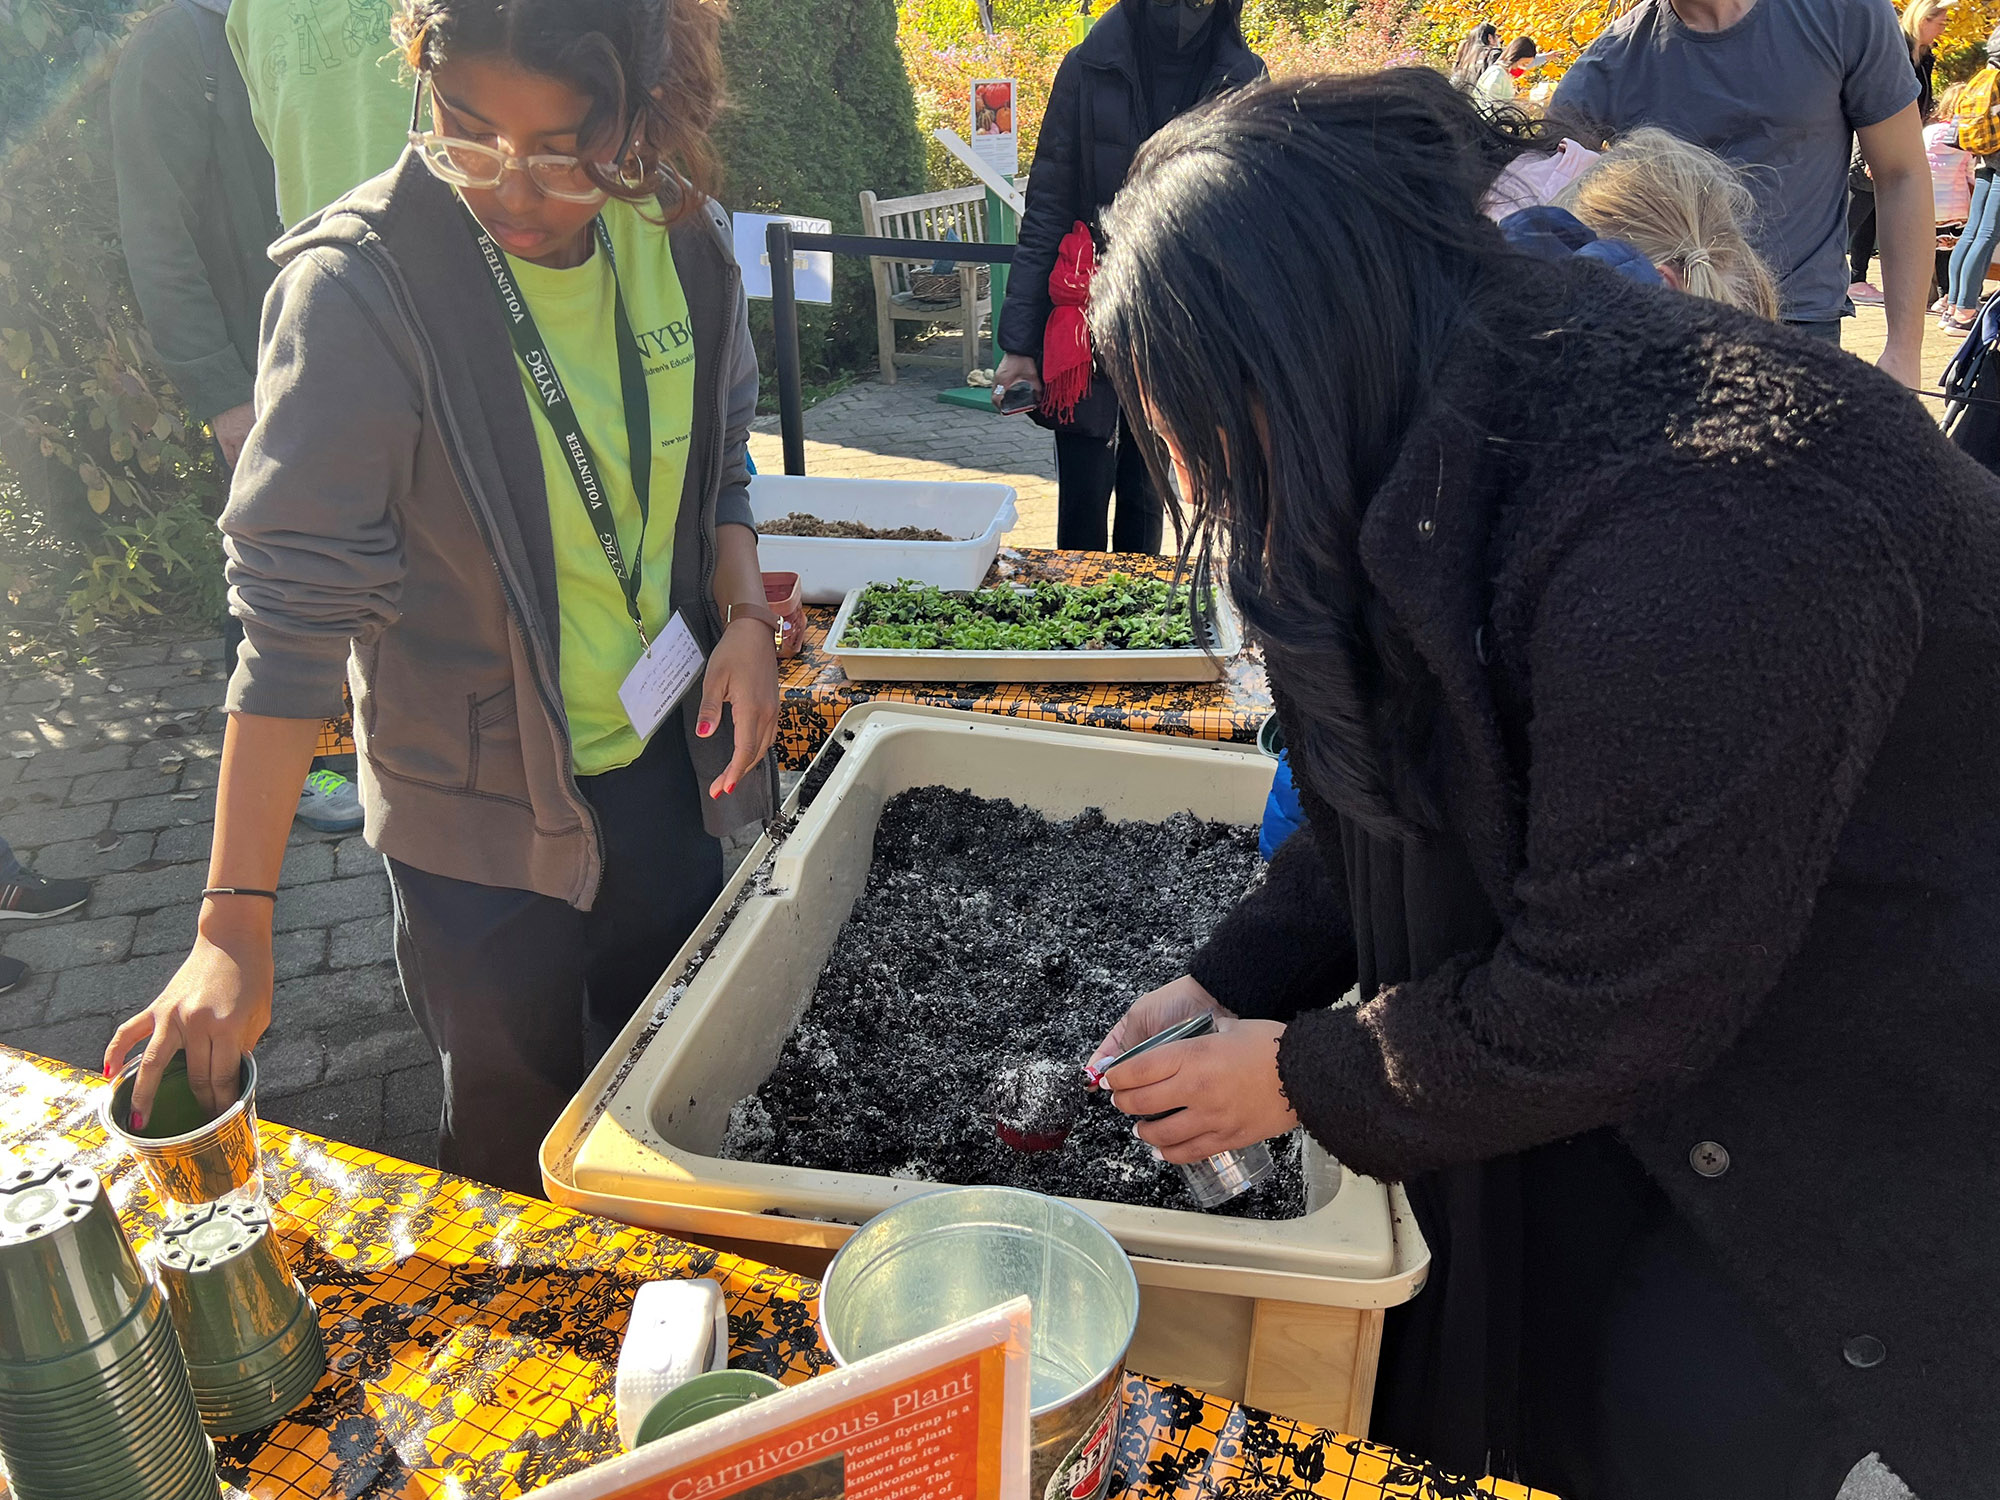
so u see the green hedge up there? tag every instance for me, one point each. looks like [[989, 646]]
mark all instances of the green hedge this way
[[821, 108]]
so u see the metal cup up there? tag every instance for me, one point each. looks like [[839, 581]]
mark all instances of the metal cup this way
[[250, 1332], [944, 1256], [189, 1158]]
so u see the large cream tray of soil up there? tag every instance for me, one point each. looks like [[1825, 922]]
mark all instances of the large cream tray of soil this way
[[636, 1143]]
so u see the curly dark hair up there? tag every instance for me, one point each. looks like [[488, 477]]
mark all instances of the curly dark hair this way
[[662, 57]]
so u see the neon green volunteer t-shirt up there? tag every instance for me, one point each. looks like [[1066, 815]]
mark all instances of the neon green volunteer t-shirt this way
[[327, 91], [573, 310]]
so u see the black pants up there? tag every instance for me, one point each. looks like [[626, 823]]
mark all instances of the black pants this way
[[1860, 233], [521, 993], [1087, 471]]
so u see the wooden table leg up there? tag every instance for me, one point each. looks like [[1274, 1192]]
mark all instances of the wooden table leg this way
[[1315, 1364]]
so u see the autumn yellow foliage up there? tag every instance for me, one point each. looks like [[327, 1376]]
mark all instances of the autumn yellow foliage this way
[[1567, 27]]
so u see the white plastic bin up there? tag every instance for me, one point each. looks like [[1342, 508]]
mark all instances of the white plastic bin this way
[[829, 568]]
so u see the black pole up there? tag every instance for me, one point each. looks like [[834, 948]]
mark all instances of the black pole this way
[[785, 328]]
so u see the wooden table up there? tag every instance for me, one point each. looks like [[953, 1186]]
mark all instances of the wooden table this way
[[472, 1336], [813, 692]]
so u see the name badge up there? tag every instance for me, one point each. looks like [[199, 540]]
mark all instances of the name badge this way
[[661, 678]]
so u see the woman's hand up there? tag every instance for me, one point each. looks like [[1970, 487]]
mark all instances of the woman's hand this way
[[1152, 1014], [1223, 1090], [215, 1008], [743, 673], [1015, 367]]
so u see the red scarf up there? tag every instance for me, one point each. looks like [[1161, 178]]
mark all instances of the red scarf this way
[[1066, 352]]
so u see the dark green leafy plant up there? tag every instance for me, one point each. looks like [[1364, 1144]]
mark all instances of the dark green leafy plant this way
[[1117, 613]]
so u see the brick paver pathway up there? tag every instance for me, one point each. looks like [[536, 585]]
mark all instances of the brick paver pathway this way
[[110, 773]]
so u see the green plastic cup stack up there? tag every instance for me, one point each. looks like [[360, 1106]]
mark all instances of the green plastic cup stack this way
[[248, 1329], [94, 1398]]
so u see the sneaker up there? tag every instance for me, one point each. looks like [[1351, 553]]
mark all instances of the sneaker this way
[[1939, 307], [12, 972], [330, 803], [1864, 294], [29, 897]]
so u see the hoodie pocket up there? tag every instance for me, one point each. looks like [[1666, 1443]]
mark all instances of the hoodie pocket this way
[[494, 765]]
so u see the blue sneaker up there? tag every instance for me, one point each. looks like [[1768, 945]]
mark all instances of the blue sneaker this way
[[330, 803]]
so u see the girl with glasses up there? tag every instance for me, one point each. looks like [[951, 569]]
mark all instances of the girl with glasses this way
[[498, 478]]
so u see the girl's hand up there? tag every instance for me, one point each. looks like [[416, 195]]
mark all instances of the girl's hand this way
[[742, 673], [1224, 1090], [1152, 1014], [215, 1008]]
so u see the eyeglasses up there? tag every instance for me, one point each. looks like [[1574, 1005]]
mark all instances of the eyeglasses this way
[[467, 164]]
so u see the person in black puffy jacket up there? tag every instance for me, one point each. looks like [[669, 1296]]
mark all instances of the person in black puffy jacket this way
[[1139, 67], [1639, 665]]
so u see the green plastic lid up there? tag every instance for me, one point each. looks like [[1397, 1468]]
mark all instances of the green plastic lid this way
[[703, 1397]]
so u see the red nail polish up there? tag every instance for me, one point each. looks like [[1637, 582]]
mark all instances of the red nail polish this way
[[705, 728], [138, 1120], [728, 789], [107, 1070]]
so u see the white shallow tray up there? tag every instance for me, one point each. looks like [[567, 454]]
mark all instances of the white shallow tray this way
[[1183, 664], [830, 568]]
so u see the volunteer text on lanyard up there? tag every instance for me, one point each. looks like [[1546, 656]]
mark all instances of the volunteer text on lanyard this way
[[662, 675]]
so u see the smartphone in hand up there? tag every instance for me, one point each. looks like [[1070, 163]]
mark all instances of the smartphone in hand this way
[[1021, 396]]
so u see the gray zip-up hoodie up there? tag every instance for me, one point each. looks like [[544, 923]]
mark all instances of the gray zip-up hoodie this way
[[388, 521]]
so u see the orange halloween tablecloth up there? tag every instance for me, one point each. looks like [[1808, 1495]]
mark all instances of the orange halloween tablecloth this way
[[813, 692], [472, 1336]]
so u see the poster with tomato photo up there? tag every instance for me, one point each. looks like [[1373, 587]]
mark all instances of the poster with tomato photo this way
[[994, 138]]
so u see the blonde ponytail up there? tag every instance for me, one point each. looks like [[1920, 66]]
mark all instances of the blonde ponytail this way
[[1684, 209]]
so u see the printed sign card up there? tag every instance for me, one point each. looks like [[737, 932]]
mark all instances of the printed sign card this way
[[812, 270], [943, 1417], [994, 134]]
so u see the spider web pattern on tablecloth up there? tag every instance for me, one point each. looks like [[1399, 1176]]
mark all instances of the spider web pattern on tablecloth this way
[[1178, 1444], [813, 692], [472, 1336]]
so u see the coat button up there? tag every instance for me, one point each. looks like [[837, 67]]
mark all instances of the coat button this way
[[1425, 527], [1709, 1158], [1864, 1351]]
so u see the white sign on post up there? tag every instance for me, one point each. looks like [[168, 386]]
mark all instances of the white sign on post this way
[[994, 134], [812, 270]]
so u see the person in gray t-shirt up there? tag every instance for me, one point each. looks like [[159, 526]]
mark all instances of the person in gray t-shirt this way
[[1782, 88]]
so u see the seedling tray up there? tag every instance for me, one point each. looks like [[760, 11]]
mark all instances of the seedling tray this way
[[1181, 664]]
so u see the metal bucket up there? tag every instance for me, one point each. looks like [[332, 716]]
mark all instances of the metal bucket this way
[[948, 1255], [188, 1158]]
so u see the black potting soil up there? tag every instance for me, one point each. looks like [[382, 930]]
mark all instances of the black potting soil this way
[[990, 937]]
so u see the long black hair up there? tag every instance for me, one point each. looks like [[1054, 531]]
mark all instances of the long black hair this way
[[658, 60], [1287, 268]]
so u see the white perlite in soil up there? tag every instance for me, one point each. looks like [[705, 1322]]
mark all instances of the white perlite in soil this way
[[988, 937]]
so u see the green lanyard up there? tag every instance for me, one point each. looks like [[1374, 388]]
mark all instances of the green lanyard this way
[[529, 344]]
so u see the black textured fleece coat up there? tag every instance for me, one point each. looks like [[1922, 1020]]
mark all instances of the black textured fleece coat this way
[[1712, 609]]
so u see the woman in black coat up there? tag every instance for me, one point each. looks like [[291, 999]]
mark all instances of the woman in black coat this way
[[1640, 665], [1139, 67]]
